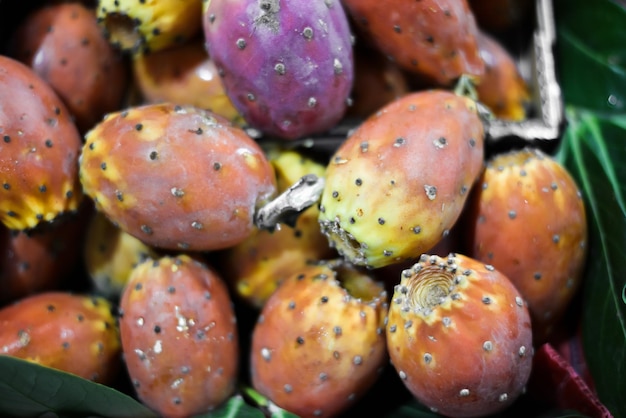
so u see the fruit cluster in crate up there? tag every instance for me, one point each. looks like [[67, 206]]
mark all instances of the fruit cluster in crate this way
[[131, 185]]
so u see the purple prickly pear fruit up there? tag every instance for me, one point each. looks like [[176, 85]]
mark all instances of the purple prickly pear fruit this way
[[287, 66]]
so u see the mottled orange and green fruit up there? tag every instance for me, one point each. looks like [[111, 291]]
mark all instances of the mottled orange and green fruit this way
[[74, 333], [432, 39], [179, 336], [319, 342], [527, 218], [399, 182], [176, 177], [459, 335], [63, 43], [39, 148]]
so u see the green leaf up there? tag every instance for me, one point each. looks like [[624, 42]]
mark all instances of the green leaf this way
[[235, 407], [594, 151], [30, 390], [590, 53]]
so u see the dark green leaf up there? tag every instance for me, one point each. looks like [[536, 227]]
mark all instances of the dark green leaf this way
[[594, 151], [30, 390], [236, 407], [590, 53]]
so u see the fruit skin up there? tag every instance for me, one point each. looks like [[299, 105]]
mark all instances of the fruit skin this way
[[176, 177], [179, 336], [71, 332], [501, 88], [287, 66], [38, 151], [318, 347], [527, 218], [150, 25], [434, 39], [399, 182], [459, 335], [110, 255], [65, 46], [41, 259], [184, 74], [501, 15], [377, 82]]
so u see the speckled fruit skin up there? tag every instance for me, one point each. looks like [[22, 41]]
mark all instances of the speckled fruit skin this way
[[42, 259], [150, 25], [399, 182], [110, 254], [377, 82], [39, 150], [286, 65], [259, 264], [179, 336], [435, 39], [319, 343], [459, 336], [527, 218], [65, 46], [70, 332], [176, 177], [184, 74], [501, 88]]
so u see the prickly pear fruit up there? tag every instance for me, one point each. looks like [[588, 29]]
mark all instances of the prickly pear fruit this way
[[65, 46], [110, 255], [377, 82], [398, 184], [501, 88], [149, 25], [459, 336], [287, 66], [41, 259], [501, 15], [259, 264], [179, 336], [185, 75], [39, 150], [319, 342], [70, 332], [527, 218], [435, 39], [176, 177]]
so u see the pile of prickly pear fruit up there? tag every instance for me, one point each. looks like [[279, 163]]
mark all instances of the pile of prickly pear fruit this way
[[140, 140]]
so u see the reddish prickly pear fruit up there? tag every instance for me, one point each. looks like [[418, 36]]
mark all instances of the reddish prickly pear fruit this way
[[183, 74], [259, 264], [527, 218], [40, 259], [176, 177], [110, 255], [392, 273], [319, 341], [287, 66], [377, 82], [179, 336], [64, 44], [140, 26], [39, 147], [435, 39], [459, 336], [399, 182], [70, 332], [501, 88], [501, 15]]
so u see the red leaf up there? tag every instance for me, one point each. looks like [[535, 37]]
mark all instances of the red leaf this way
[[556, 382]]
